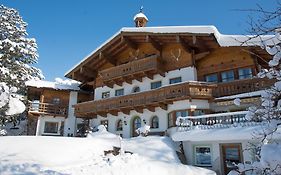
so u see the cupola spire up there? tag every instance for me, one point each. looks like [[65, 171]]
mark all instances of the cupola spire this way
[[140, 18]]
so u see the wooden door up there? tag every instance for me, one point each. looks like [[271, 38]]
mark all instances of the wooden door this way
[[230, 155]]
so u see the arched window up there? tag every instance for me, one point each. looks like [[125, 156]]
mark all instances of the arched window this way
[[119, 126], [136, 89], [136, 123], [155, 122]]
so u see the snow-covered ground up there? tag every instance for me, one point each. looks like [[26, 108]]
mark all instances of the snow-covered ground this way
[[30, 155]]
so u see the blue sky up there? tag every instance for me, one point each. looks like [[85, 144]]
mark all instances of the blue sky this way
[[68, 30]]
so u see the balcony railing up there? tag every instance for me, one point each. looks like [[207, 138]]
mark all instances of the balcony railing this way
[[214, 121], [133, 70], [145, 100], [242, 86], [47, 109]]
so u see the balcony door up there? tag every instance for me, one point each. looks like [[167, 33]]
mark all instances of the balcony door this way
[[230, 155], [136, 123]]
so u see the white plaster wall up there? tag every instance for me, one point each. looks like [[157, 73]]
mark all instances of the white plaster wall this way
[[187, 74], [217, 165], [70, 122], [43, 119], [147, 116]]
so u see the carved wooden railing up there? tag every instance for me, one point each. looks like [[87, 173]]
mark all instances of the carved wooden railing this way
[[242, 86], [47, 109], [146, 100], [133, 70], [214, 121]]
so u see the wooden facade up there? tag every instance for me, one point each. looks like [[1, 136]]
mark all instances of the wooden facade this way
[[52, 102], [134, 55]]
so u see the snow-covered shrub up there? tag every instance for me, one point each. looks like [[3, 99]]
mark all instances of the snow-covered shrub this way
[[143, 131]]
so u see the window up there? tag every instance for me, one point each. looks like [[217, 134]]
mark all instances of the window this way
[[51, 127], [105, 95], [211, 78], [175, 80], [155, 122], [155, 85], [198, 112], [136, 89], [104, 123], [245, 73], [227, 76], [172, 117], [181, 114], [119, 126], [56, 101], [203, 156], [136, 123], [170, 120], [119, 92]]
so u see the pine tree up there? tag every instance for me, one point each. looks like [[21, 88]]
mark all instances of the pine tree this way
[[17, 55]]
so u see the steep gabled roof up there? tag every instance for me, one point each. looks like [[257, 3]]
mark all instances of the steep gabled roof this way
[[206, 31]]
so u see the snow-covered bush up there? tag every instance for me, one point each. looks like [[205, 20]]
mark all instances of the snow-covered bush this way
[[143, 131], [17, 54]]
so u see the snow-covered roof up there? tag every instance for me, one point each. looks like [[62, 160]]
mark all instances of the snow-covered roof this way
[[59, 84], [140, 15], [222, 134], [223, 40]]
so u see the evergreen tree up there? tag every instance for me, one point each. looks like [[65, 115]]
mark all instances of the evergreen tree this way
[[17, 55]]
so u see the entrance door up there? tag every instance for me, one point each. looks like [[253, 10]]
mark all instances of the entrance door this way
[[231, 155]]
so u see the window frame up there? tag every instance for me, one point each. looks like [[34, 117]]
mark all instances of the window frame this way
[[195, 155], [105, 93], [155, 82], [216, 74], [228, 78], [119, 90], [56, 101], [172, 118], [152, 122], [245, 68], [119, 127], [175, 78], [57, 127]]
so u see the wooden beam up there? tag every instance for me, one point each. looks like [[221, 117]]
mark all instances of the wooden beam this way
[[125, 111], [138, 109], [155, 44], [150, 108], [201, 55], [84, 70], [129, 42], [113, 112], [108, 58], [163, 106], [184, 44]]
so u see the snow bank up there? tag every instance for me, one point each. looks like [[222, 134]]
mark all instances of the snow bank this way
[[81, 156], [59, 84]]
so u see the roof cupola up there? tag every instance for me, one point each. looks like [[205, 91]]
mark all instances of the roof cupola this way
[[140, 18]]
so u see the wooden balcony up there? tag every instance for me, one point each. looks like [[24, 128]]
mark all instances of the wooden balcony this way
[[242, 86], [146, 67], [36, 108], [145, 100]]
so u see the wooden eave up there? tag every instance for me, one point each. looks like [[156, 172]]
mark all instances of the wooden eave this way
[[87, 70]]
